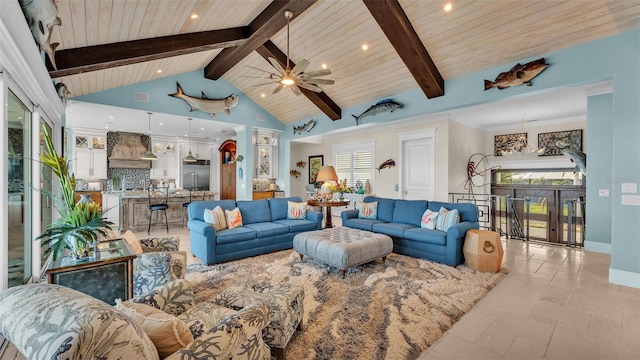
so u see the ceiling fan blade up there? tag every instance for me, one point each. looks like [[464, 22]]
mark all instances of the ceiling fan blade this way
[[319, 81], [316, 73], [295, 90], [277, 89], [308, 86], [276, 65], [300, 66]]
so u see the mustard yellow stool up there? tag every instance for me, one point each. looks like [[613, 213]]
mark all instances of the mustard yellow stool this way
[[483, 250]]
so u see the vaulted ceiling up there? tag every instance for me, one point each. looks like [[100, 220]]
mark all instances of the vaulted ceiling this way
[[106, 44]]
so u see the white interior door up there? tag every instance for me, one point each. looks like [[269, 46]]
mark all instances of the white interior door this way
[[417, 175]]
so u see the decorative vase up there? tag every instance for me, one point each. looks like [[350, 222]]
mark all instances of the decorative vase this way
[[341, 196], [367, 187], [80, 250]]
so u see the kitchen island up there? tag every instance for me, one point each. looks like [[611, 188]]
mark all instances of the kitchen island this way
[[134, 208]]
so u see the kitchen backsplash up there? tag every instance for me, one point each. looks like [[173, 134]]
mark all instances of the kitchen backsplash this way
[[262, 184]]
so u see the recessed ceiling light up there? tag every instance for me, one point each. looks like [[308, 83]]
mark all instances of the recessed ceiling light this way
[[201, 129], [448, 7], [194, 16], [324, 66], [160, 124], [106, 127], [159, 71], [186, 135], [365, 47], [110, 117], [263, 95]]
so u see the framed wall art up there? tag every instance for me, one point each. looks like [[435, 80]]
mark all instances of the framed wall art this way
[[555, 141], [315, 163], [506, 142]]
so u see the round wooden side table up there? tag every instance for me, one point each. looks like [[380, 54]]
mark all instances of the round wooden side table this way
[[328, 205]]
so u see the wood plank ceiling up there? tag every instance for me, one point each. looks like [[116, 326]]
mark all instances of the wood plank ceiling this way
[[474, 36]]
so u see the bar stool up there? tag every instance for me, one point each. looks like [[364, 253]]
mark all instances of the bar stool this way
[[157, 204]]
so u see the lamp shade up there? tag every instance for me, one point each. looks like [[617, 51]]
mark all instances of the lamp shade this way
[[327, 173]]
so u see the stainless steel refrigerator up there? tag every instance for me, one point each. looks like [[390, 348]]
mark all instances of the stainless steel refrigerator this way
[[196, 175]]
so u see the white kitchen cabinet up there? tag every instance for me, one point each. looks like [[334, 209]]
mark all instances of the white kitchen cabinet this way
[[111, 207], [167, 165], [265, 152], [201, 151], [89, 154]]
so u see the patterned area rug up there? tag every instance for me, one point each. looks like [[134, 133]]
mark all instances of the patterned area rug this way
[[390, 310]]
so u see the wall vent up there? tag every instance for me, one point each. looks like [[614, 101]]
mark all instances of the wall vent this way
[[140, 96], [260, 117]]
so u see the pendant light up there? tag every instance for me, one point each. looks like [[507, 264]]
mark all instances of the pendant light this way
[[190, 157], [149, 155]]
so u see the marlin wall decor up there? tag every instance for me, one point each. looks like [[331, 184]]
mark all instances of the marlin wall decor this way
[[204, 104]]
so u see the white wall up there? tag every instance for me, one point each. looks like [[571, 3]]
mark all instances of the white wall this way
[[464, 141], [386, 147], [455, 143]]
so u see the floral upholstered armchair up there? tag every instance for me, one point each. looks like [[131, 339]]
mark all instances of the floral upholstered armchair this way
[[61, 323], [157, 263]]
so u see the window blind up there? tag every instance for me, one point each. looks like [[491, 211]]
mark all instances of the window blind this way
[[354, 163]]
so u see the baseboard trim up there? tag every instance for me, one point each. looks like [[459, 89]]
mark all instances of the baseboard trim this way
[[626, 278], [598, 247]]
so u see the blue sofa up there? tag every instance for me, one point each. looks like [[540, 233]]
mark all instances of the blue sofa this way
[[265, 229], [400, 219]]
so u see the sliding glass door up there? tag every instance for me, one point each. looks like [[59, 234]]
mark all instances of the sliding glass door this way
[[19, 191]]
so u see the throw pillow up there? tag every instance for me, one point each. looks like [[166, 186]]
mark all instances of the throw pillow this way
[[216, 218], [368, 210], [429, 219], [167, 332], [296, 210], [133, 242], [447, 218], [234, 218]]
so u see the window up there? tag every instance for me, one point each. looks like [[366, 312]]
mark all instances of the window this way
[[354, 162]]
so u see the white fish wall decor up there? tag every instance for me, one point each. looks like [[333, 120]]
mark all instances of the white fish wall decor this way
[[42, 16], [204, 104]]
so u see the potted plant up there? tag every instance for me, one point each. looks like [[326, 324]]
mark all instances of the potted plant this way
[[80, 224]]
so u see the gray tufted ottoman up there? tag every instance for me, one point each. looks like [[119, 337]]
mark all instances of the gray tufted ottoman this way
[[342, 246]]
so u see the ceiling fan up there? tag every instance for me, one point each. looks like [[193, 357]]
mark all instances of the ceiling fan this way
[[294, 78]]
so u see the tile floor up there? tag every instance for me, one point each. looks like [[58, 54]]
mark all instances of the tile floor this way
[[556, 303]]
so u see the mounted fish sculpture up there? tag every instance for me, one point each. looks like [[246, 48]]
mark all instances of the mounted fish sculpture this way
[[577, 157], [42, 16], [386, 165], [306, 127], [379, 107], [62, 91], [518, 75], [204, 104]]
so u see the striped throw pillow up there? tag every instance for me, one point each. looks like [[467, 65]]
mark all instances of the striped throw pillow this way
[[296, 210], [234, 218], [368, 210], [447, 218], [216, 218]]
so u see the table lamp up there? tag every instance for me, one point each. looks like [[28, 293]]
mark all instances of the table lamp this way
[[326, 174]]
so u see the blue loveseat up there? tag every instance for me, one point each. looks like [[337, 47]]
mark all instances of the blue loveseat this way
[[400, 219], [265, 229]]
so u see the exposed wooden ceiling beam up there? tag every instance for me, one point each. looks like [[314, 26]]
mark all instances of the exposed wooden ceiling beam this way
[[396, 26], [321, 100], [262, 28], [99, 57]]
